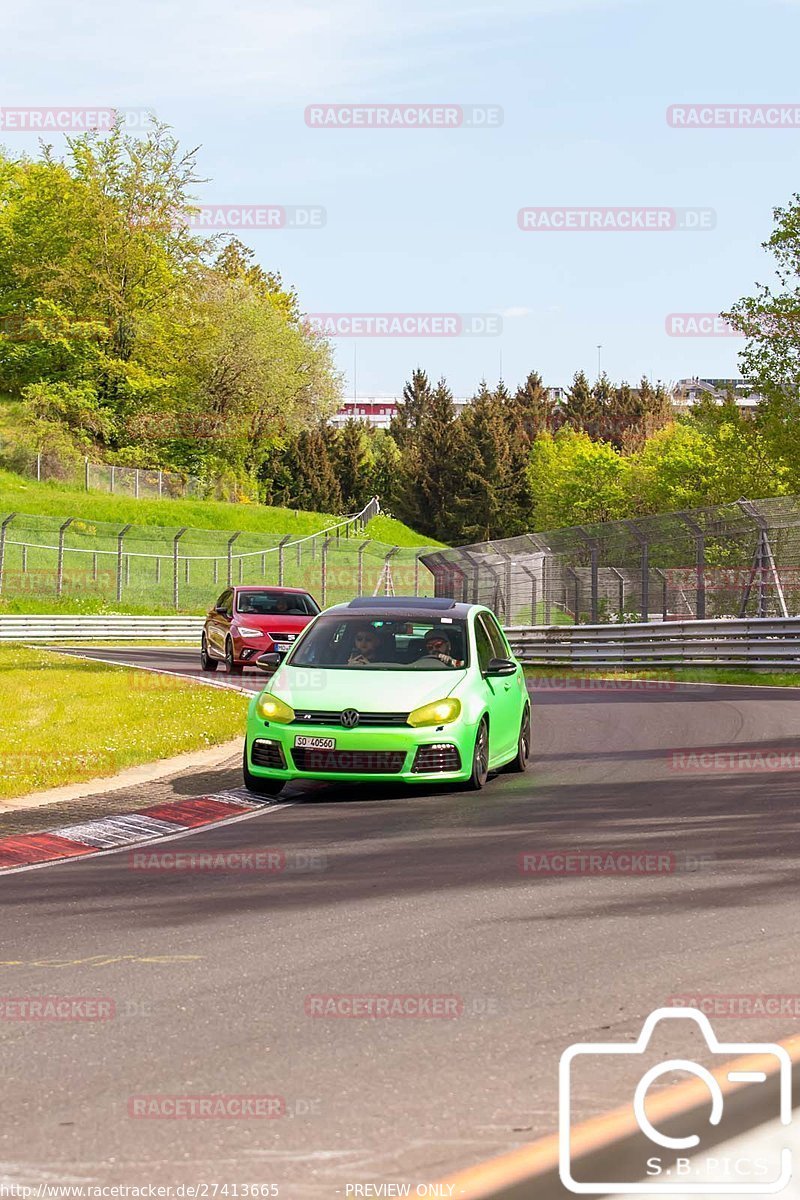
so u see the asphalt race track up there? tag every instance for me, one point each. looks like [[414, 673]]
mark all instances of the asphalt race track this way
[[401, 893]]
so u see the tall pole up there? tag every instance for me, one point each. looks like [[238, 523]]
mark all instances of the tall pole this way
[[599, 372]]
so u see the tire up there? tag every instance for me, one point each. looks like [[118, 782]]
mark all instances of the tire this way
[[234, 668], [206, 662], [257, 784], [480, 758], [519, 763]]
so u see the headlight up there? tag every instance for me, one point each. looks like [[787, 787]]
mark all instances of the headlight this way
[[270, 708], [244, 632], [440, 712]]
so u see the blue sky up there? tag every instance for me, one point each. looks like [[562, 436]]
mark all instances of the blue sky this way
[[426, 220]]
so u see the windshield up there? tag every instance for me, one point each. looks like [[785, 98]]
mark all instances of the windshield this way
[[276, 604], [383, 643]]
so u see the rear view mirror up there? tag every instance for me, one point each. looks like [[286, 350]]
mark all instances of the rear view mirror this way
[[268, 661], [498, 667]]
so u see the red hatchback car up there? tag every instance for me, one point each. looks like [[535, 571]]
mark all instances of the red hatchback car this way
[[248, 621]]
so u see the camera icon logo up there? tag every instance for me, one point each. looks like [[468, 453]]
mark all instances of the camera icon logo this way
[[670, 1173]]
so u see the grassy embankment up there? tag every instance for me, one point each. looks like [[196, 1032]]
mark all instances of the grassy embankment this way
[[67, 720]]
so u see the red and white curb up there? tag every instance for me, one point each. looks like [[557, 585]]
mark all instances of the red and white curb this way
[[175, 818]]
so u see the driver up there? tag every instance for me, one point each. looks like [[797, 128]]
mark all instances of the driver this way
[[437, 645], [365, 646]]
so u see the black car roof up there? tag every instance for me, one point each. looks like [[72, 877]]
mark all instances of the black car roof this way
[[415, 606]]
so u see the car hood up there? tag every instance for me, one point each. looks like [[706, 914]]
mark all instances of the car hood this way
[[279, 621], [367, 691]]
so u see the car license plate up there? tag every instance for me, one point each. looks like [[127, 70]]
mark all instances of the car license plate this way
[[283, 646], [312, 743]]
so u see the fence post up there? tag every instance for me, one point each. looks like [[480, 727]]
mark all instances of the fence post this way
[[136, 483], [663, 576], [160, 477], [60, 576], [281, 545], [120, 536], [158, 570], [175, 541], [387, 571], [576, 593], [86, 474], [113, 470], [621, 592], [593, 550], [324, 571], [231, 540], [3, 527], [263, 566], [642, 540], [361, 550], [700, 566], [416, 572], [39, 468], [24, 550], [216, 572]]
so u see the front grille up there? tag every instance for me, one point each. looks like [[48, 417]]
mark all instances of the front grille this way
[[265, 753], [281, 637], [350, 762], [442, 757], [318, 716]]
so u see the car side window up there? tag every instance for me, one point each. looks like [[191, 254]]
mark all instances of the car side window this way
[[498, 641], [225, 602], [483, 644]]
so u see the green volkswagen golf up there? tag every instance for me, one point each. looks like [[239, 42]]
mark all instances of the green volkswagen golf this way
[[390, 688]]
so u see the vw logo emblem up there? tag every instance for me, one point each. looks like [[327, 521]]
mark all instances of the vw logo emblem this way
[[349, 718]]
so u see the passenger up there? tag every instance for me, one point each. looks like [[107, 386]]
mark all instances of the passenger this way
[[437, 645], [365, 646]]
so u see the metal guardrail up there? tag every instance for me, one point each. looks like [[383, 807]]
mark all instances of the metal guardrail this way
[[49, 628], [758, 642]]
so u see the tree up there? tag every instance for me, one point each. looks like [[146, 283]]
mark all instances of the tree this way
[[352, 464], [480, 503], [411, 409], [575, 480], [533, 406], [580, 409], [315, 485], [771, 318], [430, 474]]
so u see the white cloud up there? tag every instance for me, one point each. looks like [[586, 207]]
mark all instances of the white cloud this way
[[515, 312]]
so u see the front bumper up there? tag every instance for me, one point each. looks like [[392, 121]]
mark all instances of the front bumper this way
[[378, 753]]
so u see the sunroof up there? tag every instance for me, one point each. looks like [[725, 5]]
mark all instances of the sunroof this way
[[428, 603]]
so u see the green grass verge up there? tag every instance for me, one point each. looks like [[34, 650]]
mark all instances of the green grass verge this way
[[742, 675], [67, 720], [18, 494]]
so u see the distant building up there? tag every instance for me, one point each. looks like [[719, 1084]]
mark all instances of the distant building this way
[[687, 392], [379, 410]]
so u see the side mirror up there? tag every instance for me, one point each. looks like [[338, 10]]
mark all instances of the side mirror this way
[[268, 661], [499, 667]]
